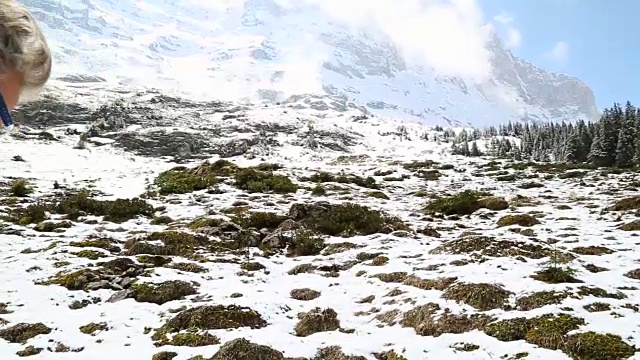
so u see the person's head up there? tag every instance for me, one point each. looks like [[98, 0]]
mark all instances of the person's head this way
[[25, 58]]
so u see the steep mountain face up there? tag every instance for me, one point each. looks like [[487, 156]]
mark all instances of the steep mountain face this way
[[560, 96], [260, 50]]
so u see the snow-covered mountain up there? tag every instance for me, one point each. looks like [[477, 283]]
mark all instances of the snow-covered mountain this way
[[308, 234], [269, 50]]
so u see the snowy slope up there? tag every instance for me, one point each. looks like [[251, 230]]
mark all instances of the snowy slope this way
[[447, 287], [270, 49]]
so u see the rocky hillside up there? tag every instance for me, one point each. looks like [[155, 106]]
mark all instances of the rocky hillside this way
[[263, 50], [154, 124], [146, 226]]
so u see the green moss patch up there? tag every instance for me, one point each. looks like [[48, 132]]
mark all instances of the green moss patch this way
[[481, 296], [631, 226], [190, 339], [541, 298], [494, 203], [261, 178], [253, 180], [164, 355], [346, 219], [21, 332], [188, 267], [119, 210], [378, 195], [204, 222], [31, 214], [154, 260], [104, 243], [592, 250], [420, 165], [182, 180], [325, 177], [30, 350], [90, 254], [478, 246], [259, 220], [389, 355], [74, 205], [305, 294], [335, 352], [315, 321], [628, 203], [595, 346], [174, 243], [426, 321], [252, 266], [305, 242], [243, 349], [211, 317], [20, 188], [92, 328], [548, 331], [52, 226], [75, 280], [439, 283], [523, 220], [162, 292], [464, 203], [556, 275]]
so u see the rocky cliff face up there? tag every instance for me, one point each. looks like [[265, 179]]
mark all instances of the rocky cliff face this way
[[559, 96], [262, 51]]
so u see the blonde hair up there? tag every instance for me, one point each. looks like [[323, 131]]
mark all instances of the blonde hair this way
[[23, 46]]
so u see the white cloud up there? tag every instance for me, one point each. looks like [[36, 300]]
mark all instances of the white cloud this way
[[514, 38], [559, 53], [503, 18], [513, 35], [449, 36]]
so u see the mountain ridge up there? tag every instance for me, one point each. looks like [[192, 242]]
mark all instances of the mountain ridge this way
[[266, 52]]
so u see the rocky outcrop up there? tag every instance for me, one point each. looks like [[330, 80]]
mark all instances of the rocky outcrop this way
[[157, 125], [560, 96]]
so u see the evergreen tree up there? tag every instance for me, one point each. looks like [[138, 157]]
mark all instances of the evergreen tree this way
[[609, 137], [474, 149], [636, 156], [572, 148], [625, 150], [517, 155], [597, 155], [584, 133], [465, 149], [612, 140]]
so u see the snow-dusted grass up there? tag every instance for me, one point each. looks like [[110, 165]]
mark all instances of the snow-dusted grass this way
[[267, 292], [570, 214]]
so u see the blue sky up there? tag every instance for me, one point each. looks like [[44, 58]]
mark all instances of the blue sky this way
[[597, 41]]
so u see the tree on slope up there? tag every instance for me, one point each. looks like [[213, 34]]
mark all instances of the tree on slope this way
[[598, 155], [625, 150]]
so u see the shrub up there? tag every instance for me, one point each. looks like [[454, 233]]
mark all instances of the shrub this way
[[350, 219], [253, 180], [259, 220], [81, 203], [305, 243], [20, 188], [324, 177], [463, 203]]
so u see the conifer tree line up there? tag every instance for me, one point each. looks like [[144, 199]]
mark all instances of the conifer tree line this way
[[611, 141]]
